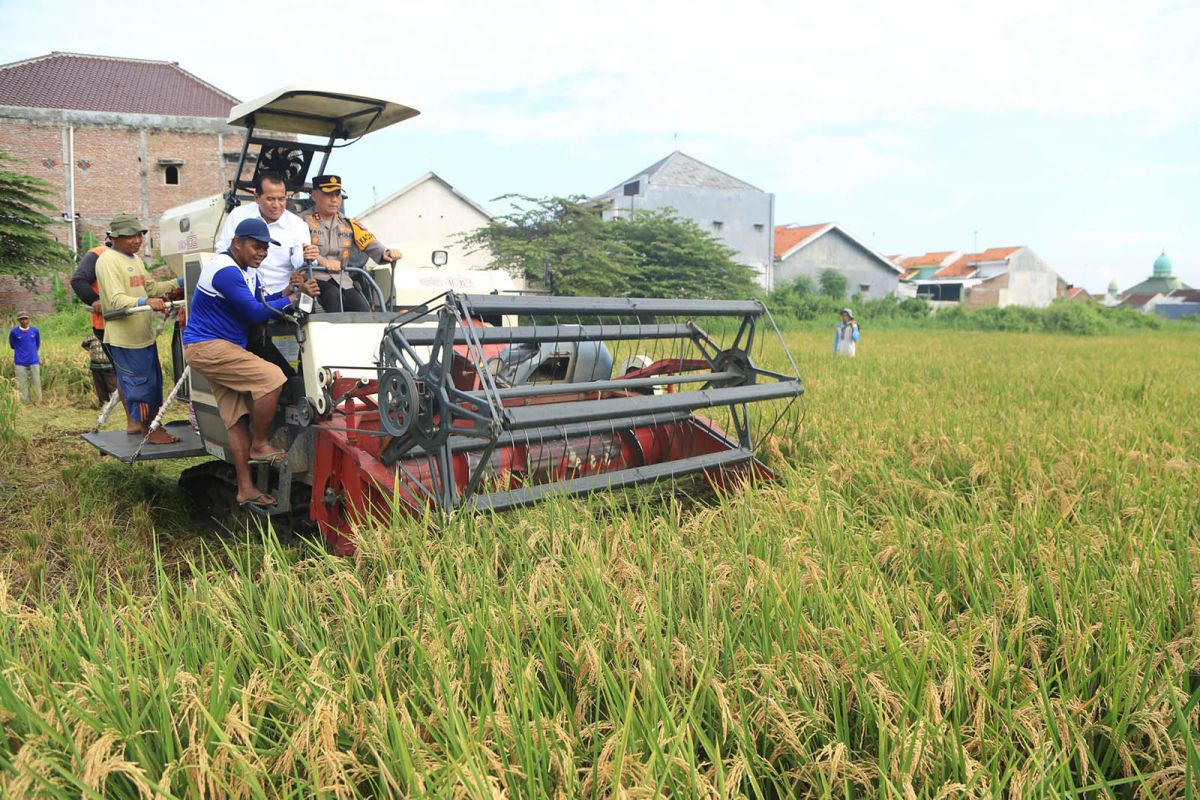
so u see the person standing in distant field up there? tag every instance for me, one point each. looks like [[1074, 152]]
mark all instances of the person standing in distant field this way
[[26, 340], [845, 336]]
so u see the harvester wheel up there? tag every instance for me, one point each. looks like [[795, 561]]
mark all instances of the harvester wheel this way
[[210, 488], [397, 401]]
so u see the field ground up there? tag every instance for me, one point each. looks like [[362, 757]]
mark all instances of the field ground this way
[[977, 578]]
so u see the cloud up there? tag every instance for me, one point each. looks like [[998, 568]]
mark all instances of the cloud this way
[[548, 71]]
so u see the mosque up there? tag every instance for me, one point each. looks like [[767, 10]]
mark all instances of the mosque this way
[[1161, 281], [1162, 293]]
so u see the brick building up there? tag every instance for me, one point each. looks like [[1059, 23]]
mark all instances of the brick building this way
[[113, 135]]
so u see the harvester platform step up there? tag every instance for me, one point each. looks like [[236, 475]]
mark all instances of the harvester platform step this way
[[122, 445], [514, 498]]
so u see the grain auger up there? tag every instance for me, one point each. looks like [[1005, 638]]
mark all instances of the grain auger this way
[[492, 402]]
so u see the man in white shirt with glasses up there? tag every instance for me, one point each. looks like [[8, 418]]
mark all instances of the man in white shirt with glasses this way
[[295, 245]]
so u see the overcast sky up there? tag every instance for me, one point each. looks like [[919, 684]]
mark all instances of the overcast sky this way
[[1071, 127]]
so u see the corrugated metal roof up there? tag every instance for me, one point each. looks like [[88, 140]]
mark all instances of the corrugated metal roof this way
[[81, 82]]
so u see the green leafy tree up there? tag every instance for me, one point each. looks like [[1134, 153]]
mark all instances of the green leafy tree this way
[[653, 254], [26, 245], [676, 258], [803, 286], [833, 283], [561, 235]]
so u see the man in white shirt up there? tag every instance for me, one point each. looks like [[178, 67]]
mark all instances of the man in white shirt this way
[[295, 245]]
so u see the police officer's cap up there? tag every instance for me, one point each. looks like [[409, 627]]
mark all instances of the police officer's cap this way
[[328, 184]]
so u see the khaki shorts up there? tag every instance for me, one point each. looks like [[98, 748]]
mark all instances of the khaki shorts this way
[[235, 376]]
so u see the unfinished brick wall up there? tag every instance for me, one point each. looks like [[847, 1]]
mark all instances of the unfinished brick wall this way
[[115, 169]]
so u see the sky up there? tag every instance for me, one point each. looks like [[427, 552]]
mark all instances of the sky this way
[[1069, 126]]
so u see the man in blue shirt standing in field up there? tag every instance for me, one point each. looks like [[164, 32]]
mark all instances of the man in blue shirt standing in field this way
[[25, 341], [227, 303]]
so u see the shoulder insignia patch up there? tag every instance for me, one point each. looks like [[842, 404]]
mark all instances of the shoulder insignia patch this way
[[362, 237]]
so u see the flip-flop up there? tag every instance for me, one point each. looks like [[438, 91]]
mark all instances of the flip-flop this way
[[255, 501], [274, 457]]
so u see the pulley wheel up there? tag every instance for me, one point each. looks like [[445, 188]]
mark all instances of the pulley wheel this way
[[397, 401]]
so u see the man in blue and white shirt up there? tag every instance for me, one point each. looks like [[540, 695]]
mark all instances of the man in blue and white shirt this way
[[292, 247], [228, 301]]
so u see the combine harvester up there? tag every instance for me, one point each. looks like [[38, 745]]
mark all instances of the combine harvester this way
[[480, 400]]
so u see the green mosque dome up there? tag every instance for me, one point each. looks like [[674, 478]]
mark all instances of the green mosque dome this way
[[1113, 289], [1162, 266]]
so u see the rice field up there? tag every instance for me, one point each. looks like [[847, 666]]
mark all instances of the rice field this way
[[977, 577]]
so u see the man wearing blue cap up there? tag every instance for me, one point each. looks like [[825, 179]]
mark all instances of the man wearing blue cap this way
[[227, 303]]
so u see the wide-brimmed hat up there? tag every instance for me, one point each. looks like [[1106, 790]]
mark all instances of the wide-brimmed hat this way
[[328, 184], [126, 225], [848, 313], [254, 228], [22, 315]]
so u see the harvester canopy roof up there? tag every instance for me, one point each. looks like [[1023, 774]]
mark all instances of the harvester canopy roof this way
[[317, 111]]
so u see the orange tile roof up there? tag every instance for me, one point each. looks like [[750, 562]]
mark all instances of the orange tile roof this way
[[969, 263], [788, 236], [927, 260]]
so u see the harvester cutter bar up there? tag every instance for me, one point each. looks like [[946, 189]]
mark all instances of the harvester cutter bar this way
[[620, 479]]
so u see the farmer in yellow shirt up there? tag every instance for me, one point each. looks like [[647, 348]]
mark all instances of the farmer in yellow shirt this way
[[126, 284]]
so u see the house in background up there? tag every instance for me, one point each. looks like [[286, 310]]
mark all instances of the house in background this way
[[426, 215], [113, 135], [1145, 302], [738, 214], [1178, 304], [809, 249], [998, 276]]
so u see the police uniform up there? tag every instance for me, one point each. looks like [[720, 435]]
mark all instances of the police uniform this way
[[338, 238]]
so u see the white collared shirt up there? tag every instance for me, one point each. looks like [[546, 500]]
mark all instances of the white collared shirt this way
[[289, 230]]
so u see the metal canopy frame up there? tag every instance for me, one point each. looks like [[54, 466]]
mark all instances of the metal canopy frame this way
[[307, 111]]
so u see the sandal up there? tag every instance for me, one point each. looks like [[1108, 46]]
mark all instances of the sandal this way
[[258, 501], [172, 439], [273, 457]]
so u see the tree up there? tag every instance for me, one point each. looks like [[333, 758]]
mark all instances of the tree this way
[[559, 234], [26, 245], [833, 283], [676, 258], [804, 286], [654, 254]]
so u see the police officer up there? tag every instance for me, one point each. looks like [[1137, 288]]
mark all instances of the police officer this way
[[337, 238]]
